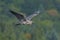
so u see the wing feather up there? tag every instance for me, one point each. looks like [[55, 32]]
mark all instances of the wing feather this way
[[33, 15], [19, 16]]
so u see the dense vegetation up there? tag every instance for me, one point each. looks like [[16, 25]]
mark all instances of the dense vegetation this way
[[46, 25]]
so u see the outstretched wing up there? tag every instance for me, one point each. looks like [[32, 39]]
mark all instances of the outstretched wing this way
[[33, 15], [19, 16]]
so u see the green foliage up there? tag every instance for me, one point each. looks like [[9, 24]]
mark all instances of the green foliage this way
[[43, 27]]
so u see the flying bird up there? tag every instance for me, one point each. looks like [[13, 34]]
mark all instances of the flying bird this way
[[23, 19]]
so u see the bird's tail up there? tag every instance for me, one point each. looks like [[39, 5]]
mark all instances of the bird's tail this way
[[18, 23]]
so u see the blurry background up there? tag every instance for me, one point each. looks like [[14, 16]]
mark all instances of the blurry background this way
[[46, 25]]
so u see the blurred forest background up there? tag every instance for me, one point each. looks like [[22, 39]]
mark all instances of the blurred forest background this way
[[46, 25]]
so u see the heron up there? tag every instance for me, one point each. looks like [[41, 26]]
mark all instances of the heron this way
[[23, 19]]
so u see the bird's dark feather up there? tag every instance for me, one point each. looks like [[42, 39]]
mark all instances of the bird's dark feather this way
[[19, 16]]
